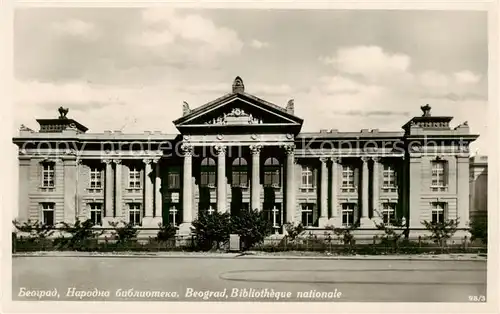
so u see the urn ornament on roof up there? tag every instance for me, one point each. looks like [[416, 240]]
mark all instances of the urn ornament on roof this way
[[238, 86]]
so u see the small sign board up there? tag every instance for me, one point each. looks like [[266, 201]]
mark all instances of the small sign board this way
[[174, 197], [234, 242]]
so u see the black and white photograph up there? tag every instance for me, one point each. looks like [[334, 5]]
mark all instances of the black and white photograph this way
[[217, 155]]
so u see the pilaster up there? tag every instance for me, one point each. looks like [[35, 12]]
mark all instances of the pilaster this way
[[290, 183], [255, 183]]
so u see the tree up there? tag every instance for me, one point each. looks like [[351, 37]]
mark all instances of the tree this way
[[479, 229], [211, 229], [252, 226], [345, 234], [441, 232], [81, 233]]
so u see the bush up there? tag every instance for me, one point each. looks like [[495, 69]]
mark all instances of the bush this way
[[479, 229], [441, 232], [124, 234], [35, 231], [293, 230], [252, 226], [166, 233], [82, 236], [393, 233], [211, 229]]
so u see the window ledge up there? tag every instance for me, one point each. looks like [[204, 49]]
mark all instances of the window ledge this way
[[134, 190], [47, 189], [94, 190]]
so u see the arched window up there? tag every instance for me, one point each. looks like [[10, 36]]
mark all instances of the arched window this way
[[207, 175], [272, 172], [240, 173]]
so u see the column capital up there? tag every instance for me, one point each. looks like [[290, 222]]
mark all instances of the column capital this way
[[365, 159], [117, 161], [187, 149], [147, 161], [289, 149], [255, 149], [324, 159], [107, 161], [220, 149], [335, 160], [376, 158]]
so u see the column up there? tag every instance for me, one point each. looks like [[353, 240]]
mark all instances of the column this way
[[290, 183], [255, 183], [187, 189], [334, 193], [365, 220], [376, 187], [148, 189], [221, 178], [463, 191], [70, 179], [158, 196], [108, 188], [118, 188], [24, 188], [323, 214]]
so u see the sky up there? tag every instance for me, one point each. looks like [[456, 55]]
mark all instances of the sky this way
[[131, 69]]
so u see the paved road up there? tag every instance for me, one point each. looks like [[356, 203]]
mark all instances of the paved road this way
[[246, 279]]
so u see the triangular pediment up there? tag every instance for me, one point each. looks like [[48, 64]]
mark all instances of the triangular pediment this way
[[238, 110]]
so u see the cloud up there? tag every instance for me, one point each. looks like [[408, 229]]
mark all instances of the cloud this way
[[166, 27], [257, 44], [75, 27], [467, 77], [371, 113], [343, 85], [369, 61]]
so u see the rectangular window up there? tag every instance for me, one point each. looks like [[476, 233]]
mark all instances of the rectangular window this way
[[307, 214], [272, 178], [438, 212], [134, 180], [439, 175], [135, 216], [307, 178], [48, 175], [95, 178], [348, 214], [348, 179], [208, 178], [390, 182], [388, 213], [240, 178], [48, 214], [96, 213], [174, 180]]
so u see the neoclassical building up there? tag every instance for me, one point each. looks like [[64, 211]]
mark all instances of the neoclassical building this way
[[241, 152]]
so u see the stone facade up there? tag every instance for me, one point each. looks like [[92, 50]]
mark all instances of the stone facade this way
[[240, 152]]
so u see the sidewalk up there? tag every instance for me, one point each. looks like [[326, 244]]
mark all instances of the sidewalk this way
[[258, 255]]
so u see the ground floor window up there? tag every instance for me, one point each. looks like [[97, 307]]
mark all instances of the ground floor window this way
[[307, 214], [96, 213], [438, 212], [348, 214], [48, 214], [388, 213], [135, 216]]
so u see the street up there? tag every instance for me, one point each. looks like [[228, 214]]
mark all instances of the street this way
[[245, 279]]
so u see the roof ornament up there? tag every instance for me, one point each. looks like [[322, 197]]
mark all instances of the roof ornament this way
[[25, 128], [426, 110], [238, 86], [185, 109], [290, 106], [63, 112]]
